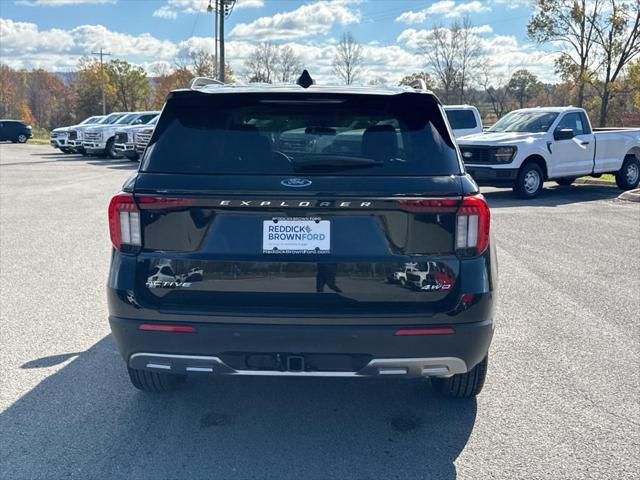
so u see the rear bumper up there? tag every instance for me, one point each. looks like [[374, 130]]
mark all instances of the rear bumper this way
[[492, 176], [356, 350]]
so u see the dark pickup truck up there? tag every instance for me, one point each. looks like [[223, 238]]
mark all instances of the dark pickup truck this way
[[239, 251]]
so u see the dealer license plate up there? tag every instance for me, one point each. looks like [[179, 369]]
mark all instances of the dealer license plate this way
[[296, 235]]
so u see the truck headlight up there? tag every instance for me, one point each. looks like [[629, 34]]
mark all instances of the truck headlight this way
[[504, 154]]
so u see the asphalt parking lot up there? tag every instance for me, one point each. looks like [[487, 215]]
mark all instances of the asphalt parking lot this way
[[561, 399]]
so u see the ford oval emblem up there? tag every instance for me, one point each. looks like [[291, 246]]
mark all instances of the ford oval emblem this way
[[296, 182], [467, 154]]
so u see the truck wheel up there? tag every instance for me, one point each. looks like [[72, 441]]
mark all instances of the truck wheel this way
[[463, 385], [628, 176], [110, 149], [565, 182], [154, 382], [529, 182]]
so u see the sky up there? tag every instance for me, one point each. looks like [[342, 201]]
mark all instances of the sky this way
[[54, 34]]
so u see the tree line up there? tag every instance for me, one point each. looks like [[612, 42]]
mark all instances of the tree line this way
[[599, 70]]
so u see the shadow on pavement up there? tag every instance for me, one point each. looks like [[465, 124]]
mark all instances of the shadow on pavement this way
[[87, 421], [552, 196]]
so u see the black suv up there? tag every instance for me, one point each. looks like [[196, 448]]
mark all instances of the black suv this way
[[15, 131], [311, 232]]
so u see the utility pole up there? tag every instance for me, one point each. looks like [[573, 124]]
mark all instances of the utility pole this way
[[222, 9], [104, 97], [223, 12]]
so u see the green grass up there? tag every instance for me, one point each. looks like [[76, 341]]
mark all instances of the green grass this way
[[606, 177], [40, 136]]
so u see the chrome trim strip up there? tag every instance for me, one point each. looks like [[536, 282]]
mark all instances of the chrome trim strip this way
[[407, 367]]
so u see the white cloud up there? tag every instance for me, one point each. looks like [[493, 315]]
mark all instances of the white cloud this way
[[440, 8], [306, 20], [24, 45], [173, 8], [412, 17], [466, 8], [59, 3], [447, 8]]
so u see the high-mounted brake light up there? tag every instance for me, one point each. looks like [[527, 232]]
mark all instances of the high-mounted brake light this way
[[472, 226], [124, 221]]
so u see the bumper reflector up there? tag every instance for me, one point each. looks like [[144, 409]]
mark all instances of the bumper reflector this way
[[167, 328], [425, 331]]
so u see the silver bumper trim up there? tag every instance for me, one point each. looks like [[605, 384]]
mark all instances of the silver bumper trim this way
[[378, 367]]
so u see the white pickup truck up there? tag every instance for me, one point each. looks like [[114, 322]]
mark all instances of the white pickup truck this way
[[529, 146], [463, 119]]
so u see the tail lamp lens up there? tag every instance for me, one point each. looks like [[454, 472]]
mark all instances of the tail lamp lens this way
[[124, 221], [472, 226]]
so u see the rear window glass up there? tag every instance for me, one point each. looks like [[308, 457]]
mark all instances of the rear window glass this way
[[247, 133], [461, 119]]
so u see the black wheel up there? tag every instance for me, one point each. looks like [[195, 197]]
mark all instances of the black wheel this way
[[110, 149], [154, 382], [65, 150], [565, 182], [463, 385], [22, 138], [628, 176], [530, 181]]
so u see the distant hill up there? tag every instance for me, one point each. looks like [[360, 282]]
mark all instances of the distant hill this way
[[66, 77]]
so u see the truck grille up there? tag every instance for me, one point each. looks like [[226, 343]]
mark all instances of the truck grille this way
[[477, 154], [57, 134], [73, 135], [142, 139], [121, 137], [93, 136]]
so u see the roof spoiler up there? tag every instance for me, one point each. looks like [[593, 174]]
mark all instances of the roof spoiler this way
[[418, 84], [200, 82]]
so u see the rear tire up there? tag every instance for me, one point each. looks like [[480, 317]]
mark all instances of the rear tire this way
[[628, 176], [565, 182], [154, 382], [530, 181], [463, 385]]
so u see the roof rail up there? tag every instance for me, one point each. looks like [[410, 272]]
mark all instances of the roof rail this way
[[201, 82], [418, 84]]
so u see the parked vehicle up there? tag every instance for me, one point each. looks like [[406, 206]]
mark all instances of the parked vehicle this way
[[142, 136], [125, 139], [60, 139], [464, 119], [100, 139], [260, 234], [15, 131], [76, 134], [529, 146]]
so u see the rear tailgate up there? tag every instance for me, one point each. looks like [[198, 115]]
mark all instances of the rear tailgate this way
[[204, 249]]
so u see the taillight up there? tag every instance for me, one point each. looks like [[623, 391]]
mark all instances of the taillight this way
[[472, 226], [434, 205], [124, 222], [147, 202]]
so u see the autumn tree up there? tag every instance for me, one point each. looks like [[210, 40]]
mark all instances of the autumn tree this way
[[496, 88], [524, 86], [618, 39], [348, 60], [88, 88], [572, 23], [132, 88]]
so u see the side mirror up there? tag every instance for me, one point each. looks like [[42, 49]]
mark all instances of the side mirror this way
[[563, 134]]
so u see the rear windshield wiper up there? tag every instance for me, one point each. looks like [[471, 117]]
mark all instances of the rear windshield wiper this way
[[312, 162]]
